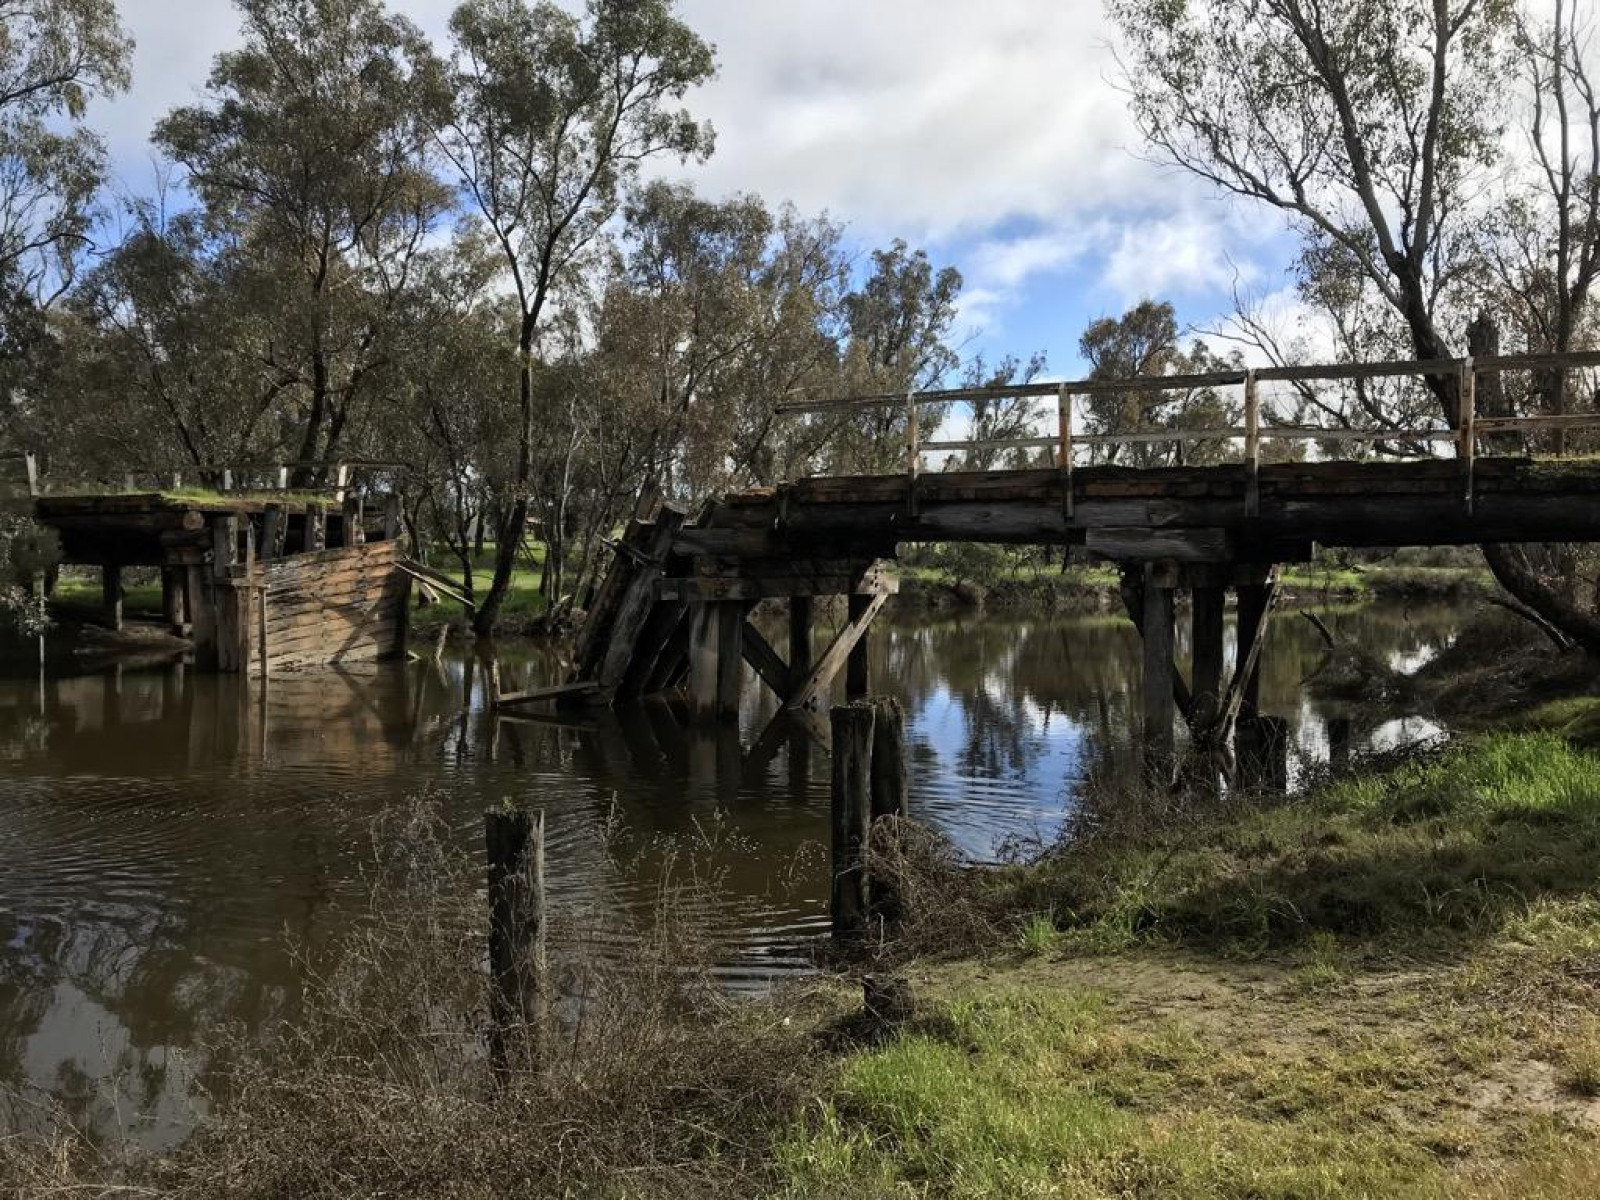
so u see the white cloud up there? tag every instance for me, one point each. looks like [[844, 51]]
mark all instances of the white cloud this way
[[990, 132], [923, 118], [1178, 254]]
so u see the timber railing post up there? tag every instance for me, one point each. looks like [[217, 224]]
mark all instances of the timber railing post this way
[[514, 845], [1064, 449], [851, 817], [316, 535], [30, 462], [913, 452], [1466, 422], [1252, 445]]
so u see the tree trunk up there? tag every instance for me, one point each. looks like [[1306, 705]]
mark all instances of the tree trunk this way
[[1511, 569]]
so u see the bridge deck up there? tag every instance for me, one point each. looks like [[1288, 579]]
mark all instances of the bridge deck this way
[[1183, 513]]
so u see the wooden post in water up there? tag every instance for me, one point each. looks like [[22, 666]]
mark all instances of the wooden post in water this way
[[890, 794], [514, 844], [111, 595], [730, 658], [1159, 708], [858, 670], [852, 814], [703, 647], [224, 627], [799, 640], [172, 599], [1206, 621], [202, 616]]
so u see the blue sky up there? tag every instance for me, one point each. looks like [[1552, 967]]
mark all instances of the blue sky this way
[[992, 134]]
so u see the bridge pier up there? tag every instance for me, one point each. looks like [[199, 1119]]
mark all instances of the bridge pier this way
[[1159, 671], [1211, 706]]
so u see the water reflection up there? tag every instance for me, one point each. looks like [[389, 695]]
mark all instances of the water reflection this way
[[161, 830]]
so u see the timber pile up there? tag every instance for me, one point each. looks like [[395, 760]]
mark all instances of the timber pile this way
[[671, 611]]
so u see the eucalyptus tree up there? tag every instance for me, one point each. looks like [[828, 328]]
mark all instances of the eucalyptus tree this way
[[897, 327], [450, 423], [723, 311], [1144, 342], [309, 155], [555, 115], [55, 55], [157, 369], [1375, 127]]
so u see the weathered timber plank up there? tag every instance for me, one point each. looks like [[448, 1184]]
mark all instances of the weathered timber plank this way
[[1151, 545], [766, 661], [638, 599]]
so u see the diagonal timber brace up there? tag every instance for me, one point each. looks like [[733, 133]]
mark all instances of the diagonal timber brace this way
[[834, 657]]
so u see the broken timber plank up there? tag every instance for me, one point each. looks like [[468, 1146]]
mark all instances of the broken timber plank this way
[[433, 579], [557, 691], [636, 600]]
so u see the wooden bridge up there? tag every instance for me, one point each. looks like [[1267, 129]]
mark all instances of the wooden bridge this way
[[674, 609], [260, 582]]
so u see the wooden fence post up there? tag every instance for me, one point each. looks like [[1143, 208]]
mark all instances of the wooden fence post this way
[[890, 795], [851, 817], [514, 845]]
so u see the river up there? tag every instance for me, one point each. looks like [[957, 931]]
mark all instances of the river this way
[[164, 834]]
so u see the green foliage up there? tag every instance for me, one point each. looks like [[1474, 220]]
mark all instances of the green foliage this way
[[26, 551], [1145, 341]]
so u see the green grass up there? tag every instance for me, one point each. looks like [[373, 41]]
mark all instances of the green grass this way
[[79, 591], [1039, 935], [1381, 990], [523, 601], [1041, 1085]]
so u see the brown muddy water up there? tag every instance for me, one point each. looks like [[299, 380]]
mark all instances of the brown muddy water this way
[[165, 835]]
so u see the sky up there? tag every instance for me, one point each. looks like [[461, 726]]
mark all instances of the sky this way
[[992, 134]]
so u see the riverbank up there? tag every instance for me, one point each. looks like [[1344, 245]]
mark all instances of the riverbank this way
[[1387, 987], [1082, 588]]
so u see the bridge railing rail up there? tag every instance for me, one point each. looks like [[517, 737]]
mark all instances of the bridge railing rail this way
[[1463, 432]]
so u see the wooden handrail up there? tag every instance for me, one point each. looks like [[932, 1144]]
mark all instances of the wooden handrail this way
[[1493, 364], [1463, 432]]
